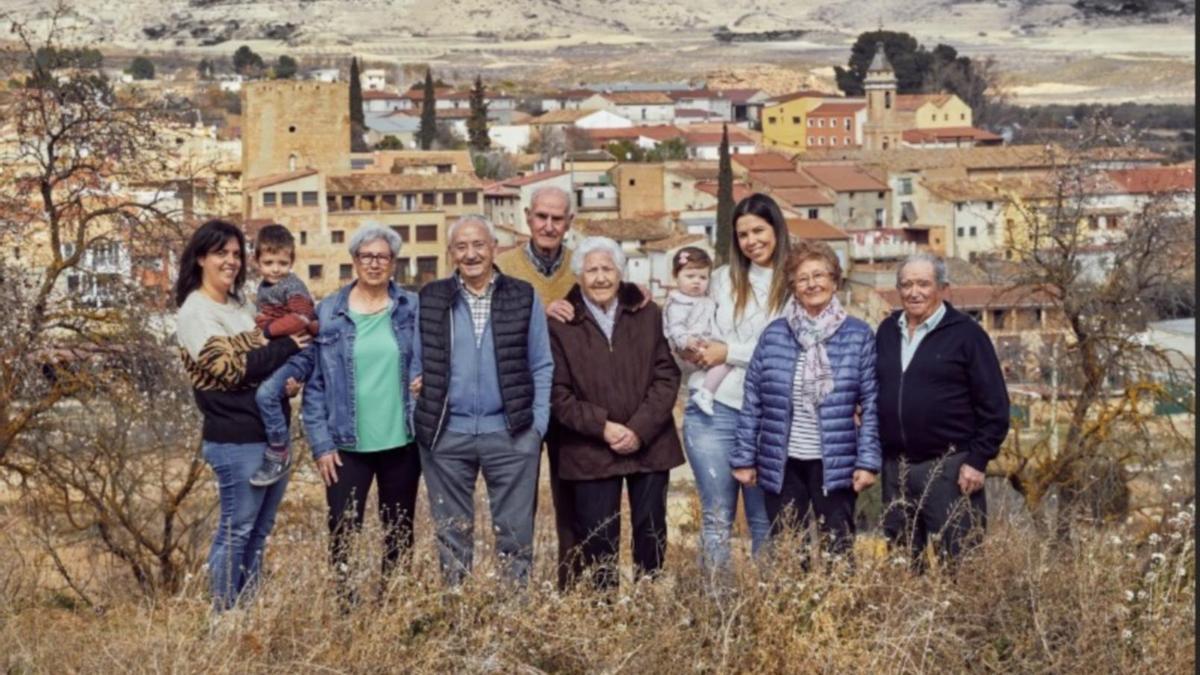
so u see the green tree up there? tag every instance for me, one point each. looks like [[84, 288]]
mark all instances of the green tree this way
[[358, 121], [247, 63], [724, 199], [908, 58], [286, 67], [389, 142], [477, 124], [428, 131], [141, 68], [670, 150]]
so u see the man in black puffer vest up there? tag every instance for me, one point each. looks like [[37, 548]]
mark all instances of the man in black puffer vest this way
[[484, 405], [943, 413]]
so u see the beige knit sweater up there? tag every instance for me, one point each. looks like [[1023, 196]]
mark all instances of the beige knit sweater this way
[[515, 263]]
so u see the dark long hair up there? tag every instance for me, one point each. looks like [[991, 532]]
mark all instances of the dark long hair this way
[[764, 207], [209, 237]]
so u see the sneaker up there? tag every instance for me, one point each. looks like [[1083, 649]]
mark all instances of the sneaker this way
[[271, 470], [703, 399]]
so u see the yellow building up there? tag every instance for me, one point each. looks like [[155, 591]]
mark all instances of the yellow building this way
[[933, 111], [784, 119]]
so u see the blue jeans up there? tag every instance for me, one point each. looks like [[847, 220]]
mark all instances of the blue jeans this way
[[270, 397], [247, 516], [708, 440]]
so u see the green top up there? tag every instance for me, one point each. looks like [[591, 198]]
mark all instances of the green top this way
[[378, 383]]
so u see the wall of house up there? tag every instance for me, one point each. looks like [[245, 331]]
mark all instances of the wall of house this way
[[290, 125], [953, 113], [639, 189], [783, 124]]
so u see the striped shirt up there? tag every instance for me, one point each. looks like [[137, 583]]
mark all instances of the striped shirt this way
[[804, 438]]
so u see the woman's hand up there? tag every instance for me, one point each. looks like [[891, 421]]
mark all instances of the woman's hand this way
[[712, 354], [292, 387], [620, 438], [746, 476], [327, 465], [302, 340], [862, 480]]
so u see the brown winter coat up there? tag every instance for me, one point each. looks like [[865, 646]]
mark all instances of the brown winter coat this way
[[632, 382]]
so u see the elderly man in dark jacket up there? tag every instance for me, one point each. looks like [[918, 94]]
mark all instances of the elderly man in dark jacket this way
[[615, 383], [943, 413]]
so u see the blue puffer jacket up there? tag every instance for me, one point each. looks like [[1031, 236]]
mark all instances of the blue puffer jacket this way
[[765, 419]]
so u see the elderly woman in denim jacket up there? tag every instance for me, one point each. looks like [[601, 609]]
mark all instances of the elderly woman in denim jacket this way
[[357, 399], [798, 437]]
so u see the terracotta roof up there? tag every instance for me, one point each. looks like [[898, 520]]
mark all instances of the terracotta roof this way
[[803, 93], [500, 190], [975, 190], [831, 109], [660, 132], [377, 95], [401, 182], [985, 297], [697, 169], [638, 98], [561, 116], [386, 161], [804, 196], [764, 161], [418, 94], [1156, 180], [710, 138], [276, 178], [569, 94], [781, 179], [917, 159], [844, 178], [465, 94], [740, 190], [676, 241], [949, 134], [627, 229], [910, 102], [678, 94], [532, 178], [815, 228]]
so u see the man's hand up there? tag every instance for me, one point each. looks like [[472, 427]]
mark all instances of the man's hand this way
[[970, 479], [746, 476], [862, 480], [292, 387], [561, 310]]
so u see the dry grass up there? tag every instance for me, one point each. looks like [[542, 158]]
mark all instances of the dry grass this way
[[1109, 602]]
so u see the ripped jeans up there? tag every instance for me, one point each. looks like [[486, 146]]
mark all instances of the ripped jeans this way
[[708, 441]]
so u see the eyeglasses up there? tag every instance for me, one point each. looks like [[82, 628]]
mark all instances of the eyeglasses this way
[[369, 259], [816, 278]]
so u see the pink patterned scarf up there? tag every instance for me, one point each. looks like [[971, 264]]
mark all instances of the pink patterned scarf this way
[[812, 333]]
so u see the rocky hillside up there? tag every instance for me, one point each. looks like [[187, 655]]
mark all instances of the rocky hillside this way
[[169, 24]]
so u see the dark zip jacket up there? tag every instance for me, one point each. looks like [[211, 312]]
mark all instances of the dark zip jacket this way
[[951, 398]]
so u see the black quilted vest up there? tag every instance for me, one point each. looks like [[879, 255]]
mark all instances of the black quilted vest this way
[[512, 303]]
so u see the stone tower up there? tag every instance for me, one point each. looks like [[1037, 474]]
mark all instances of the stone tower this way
[[289, 126], [882, 129]]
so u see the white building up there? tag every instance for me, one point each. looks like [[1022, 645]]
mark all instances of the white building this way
[[509, 137], [324, 74], [373, 79]]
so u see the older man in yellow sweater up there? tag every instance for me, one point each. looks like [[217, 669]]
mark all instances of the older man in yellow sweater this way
[[546, 264]]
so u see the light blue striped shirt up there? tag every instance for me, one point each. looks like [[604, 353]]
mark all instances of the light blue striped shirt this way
[[909, 347], [804, 438]]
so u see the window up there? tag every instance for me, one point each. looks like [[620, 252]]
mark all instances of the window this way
[[820, 123], [905, 186], [813, 214], [961, 232], [470, 198], [810, 140], [880, 195], [974, 231], [833, 140], [426, 269], [347, 202], [990, 227], [345, 272], [106, 253], [771, 119], [401, 230], [331, 203], [677, 185], [998, 317], [403, 275], [991, 205], [410, 202], [315, 271], [975, 314], [796, 120], [1093, 222], [445, 168], [962, 116], [851, 213], [878, 217], [337, 237], [389, 202], [887, 100], [958, 206], [632, 182], [429, 198], [846, 141], [308, 198], [820, 140], [268, 199], [287, 198], [848, 124], [427, 233], [450, 198], [303, 238]]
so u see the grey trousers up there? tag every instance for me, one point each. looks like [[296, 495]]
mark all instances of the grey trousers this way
[[922, 503], [510, 471]]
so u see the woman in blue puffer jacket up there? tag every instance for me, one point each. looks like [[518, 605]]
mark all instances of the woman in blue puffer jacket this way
[[808, 431]]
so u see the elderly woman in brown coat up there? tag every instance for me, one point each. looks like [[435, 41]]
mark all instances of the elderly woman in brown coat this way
[[615, 384]]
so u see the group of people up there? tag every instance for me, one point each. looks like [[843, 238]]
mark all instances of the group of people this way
[[794, 406]]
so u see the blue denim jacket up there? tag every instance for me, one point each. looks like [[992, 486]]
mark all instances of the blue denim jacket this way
[[328, 366]]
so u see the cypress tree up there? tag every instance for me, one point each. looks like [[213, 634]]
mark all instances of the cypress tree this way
[[724, 199], [477, 126], [358, 122], [428, 131]]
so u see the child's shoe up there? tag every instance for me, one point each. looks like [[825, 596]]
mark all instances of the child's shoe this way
[[275, 465]]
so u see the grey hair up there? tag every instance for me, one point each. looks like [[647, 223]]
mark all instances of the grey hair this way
[[939, 267], [594, 244], [552, 189], [370, 233], [470, 218]]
